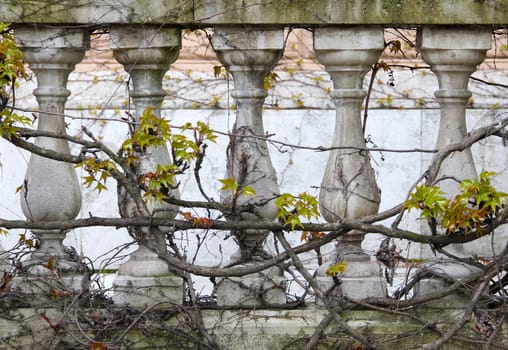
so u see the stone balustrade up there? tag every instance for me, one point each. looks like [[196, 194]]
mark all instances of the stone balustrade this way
[[248, 40]]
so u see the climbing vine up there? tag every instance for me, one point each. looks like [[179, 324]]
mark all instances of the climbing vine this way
[[12, 68], [473, 208]]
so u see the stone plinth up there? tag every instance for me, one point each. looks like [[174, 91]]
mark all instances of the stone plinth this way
[[255, 290]]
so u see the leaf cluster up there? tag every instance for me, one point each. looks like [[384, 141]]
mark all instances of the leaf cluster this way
[[473, 208], [197, 221], [230, 184], [11, 68], [98, 172], [157, 183], [9, 123], [291, 209], [150, 131], [11, 58], [269, 80]]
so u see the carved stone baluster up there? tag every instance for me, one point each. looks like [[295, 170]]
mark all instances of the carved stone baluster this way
[[146, 53], [249, 55], [51, 190], [349, 188], [453, 54]]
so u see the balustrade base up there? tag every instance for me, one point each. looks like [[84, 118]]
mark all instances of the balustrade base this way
[[39, 289], [143, 291], [435, 285], [46, 276], [266, 288], [232, 330], [362, 279]]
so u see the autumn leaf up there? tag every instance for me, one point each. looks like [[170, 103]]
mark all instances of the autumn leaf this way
[[187, 216], [26, 241], [384, 65], [98, 346], [395, 46], [5, 281], [51, 265], [355, 347], [202, 222], [216, 71], [309, 236], [19, 188]]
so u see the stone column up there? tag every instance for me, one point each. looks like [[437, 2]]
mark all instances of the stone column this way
[[146, 53], [51, 190], [249, 55], [453, 54], [349, 188]]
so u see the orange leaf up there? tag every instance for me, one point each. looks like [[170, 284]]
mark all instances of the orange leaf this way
[[5, 281], [205, 222], [19, 188], [98, 346], [188, 216], [318, 235], [309, 236], [202, 222], [51, 265]]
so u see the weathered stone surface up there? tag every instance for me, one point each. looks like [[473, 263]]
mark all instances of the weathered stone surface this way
[[302, 12], [235, 330], [263, 289]]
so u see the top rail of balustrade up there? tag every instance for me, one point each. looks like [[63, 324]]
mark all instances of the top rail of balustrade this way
[[302, 13]]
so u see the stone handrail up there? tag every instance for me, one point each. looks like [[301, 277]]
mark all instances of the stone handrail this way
[[257, 12]]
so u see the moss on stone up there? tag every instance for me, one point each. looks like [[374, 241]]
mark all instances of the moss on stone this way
[[263, 12]]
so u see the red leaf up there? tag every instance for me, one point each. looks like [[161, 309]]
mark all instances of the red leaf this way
[[98, 346], [5, 281]]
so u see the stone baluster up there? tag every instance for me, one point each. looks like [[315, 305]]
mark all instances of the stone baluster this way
[[51, 190], [146, 53], [453, 54], [349, 188], [249, 55]]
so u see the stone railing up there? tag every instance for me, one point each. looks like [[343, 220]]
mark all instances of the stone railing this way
[[248, 39]]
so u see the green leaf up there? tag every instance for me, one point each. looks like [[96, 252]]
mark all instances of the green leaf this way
[[229, 184], [476, 203], [291, 209], [429, 200], [269, 81], [248, 191], [336, 268]]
